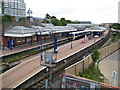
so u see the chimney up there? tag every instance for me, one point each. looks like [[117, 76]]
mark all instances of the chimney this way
[[13, 19]]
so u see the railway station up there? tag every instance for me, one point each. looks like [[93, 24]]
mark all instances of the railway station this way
[[33, 36], [29, 33], [58, 52]]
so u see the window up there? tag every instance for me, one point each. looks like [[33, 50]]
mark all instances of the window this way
[[28, 39], [23, 6], [11, 12], [35, 38], [5, 11], [12, 4], [15, 12], [6, 5], [19, 5], [16, 5], [18, 40], [18, 12], [0, 11]]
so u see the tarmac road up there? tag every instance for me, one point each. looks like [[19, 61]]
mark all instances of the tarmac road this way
[[110, 64]]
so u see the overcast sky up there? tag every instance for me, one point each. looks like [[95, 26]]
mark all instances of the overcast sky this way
[[97, 11]]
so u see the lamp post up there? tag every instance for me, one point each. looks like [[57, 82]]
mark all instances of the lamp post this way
[[41, 58], [71, 41], [29, 12]]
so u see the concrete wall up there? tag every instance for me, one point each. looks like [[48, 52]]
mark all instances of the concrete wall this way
[[109, 50], [78, 67]]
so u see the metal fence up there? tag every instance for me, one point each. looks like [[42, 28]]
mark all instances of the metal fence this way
[[69, 81]]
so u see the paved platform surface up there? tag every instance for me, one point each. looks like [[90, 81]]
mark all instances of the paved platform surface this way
[[110, 64], [25, 70]]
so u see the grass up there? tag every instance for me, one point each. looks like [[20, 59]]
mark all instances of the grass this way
[[115, 37], [22, 55], [92, 73], [19, 56]]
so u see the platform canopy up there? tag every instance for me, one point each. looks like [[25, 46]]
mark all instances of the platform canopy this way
[[21, 31], [96, 29]]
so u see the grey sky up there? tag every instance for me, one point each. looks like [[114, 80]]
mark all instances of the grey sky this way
[[97, 11]]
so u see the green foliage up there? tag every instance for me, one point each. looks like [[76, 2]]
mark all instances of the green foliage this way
[[0, 19], [53, 17], [56, 22], [47, 16], [63, 21], [68, 21], [116, 26], [19, 56], [115, 37], [92, 73], [46, 21], [95, 55], [6, 18], [22, 55], [21, 18]]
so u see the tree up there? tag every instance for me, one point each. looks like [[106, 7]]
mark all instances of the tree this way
[[63, 21], [45, 21], [69, 21], [21, 18], [6, 18], [116, 26], [47, 16], [56, 22], [53, 17], [95, 55]]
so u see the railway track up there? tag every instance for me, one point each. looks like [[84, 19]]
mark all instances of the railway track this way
[[7, 66]]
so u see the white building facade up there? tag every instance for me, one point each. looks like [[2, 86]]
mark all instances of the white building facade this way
[[14, 8]]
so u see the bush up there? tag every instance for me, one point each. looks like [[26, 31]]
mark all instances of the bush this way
[[92, 73], [21, 18], [6, 18], [95, 55], [56, 22]]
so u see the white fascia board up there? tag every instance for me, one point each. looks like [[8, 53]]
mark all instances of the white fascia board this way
[[17, 35], [95, 30]]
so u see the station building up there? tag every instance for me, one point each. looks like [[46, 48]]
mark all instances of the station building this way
[[28, 32]]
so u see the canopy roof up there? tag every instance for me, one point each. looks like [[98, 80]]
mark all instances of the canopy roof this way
[[21, 31]]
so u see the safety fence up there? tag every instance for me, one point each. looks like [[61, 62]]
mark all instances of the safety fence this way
[[69, 81]]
